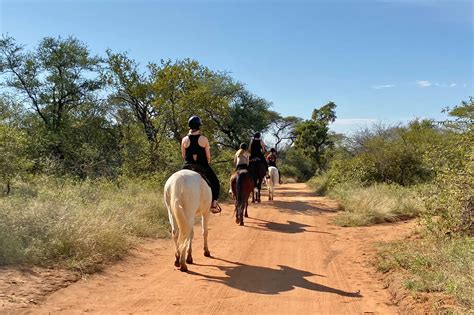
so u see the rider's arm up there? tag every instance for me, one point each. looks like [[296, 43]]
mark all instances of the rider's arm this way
[[264, 149], [183, 147], [207, 148]]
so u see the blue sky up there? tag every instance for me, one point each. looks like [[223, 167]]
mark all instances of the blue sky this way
[[378, 60]]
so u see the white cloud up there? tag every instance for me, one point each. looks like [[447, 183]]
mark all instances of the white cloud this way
[[423, 83], [378, 87], [354, 121], [452, 85]]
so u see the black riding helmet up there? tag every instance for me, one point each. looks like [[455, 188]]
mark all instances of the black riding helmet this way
[[244, 146], [256, 135], [272, 150], [194, 122]]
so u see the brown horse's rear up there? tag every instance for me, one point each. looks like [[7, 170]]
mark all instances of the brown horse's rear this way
[[257, 171], [242, 185]]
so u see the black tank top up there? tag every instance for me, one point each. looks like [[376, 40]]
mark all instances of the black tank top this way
[[256, 148], [195, 149]]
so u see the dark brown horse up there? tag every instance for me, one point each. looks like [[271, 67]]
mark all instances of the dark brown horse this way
[[257, 170], [242, 185]]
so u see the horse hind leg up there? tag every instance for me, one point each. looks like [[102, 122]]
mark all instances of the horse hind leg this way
[[189, 257], [175, 235], [184, 241], [241, 215], [176, 254], [205, 219]]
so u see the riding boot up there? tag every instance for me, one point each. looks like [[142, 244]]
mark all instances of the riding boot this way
[[215, 208]]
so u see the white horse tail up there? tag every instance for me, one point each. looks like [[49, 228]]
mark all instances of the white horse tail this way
[[272, 181]]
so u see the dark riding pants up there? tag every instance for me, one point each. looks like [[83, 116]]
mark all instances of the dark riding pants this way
[[209, 176]]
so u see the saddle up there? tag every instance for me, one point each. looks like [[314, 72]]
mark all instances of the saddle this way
[[201, 170], [256, 159]]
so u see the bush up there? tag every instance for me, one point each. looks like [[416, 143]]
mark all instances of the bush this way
[[450, 197], [386, 155], [319, 184], [295, 164]]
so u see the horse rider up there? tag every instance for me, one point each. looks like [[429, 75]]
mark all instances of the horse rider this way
[[196, 153], [257, 149], [271, 159], [242, 157]]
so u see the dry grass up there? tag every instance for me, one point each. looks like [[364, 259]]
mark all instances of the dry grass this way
[[78, 224], [378, 203], [443, 265]]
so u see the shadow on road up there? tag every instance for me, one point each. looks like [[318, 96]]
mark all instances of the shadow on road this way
[[291, 227], [302, 207], [263, 280]]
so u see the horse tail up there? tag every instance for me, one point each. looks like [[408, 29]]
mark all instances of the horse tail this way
[[239, 192], [274, 176]]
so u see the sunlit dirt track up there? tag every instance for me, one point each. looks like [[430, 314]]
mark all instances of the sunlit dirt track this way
[[287, 259]]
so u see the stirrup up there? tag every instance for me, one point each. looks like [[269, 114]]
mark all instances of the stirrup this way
[[216, 209]]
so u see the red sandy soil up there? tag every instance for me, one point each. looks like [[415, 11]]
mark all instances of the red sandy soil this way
[[287, 259]]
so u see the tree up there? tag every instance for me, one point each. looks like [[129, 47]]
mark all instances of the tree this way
[[56, 79], [13, 144], [182, 89], [312, 136], [133, 92], [282, 130], [245, 115]]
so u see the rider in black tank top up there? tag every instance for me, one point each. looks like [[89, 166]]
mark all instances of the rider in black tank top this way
[[196, 159], [195, 151]]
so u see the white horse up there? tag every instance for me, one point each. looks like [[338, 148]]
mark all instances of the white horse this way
[[186, 195], [272, 181]]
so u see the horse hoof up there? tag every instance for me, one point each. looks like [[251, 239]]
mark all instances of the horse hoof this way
[[183, 268], [241, 224], [176, 263], [189, 260], [207, 253], [246, 215]]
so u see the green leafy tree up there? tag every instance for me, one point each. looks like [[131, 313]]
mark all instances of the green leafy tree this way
[[312, 136], [182, 89], [245, 115], [282, 130], [450, 199], [58, 78], [13, 144], [133, 98]]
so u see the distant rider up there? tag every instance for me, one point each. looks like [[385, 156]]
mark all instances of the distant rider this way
[[242, 157], [257, 149], [271, 159]]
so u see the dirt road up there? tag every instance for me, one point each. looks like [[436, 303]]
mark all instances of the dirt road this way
[[287, 259]]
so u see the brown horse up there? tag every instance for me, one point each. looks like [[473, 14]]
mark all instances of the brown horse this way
[[242, 185], [257, 170]]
